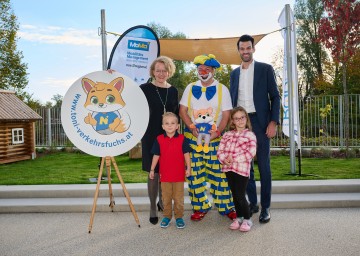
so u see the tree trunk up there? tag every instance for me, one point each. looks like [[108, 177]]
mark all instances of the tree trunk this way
[[346, 103]]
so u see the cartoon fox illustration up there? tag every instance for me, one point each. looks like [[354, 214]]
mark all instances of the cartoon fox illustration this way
[[203, 119], [106, 105]]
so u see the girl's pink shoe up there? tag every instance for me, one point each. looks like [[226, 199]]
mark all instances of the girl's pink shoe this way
[[235, 225], [246, 225]]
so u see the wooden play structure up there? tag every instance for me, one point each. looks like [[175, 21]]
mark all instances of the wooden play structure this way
[[17, 129]]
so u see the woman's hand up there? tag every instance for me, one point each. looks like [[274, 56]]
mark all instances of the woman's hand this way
[[151, 174]]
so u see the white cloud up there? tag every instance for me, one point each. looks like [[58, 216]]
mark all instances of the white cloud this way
[[57, 83], [27, 26], [59, 35], [93, 56]]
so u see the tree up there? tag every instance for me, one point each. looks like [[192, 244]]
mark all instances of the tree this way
[[161, 31], [353, 71], [311, 53], [185, 71], [58, 99], [278, 64], [13, 74], [339, 31], [327, 84], [223, 75], [178, 78], [30, 101], [48, 104]]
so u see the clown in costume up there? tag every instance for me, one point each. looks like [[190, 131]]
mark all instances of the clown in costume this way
[[203, 94]]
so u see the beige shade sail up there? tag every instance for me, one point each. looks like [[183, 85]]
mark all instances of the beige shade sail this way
[[224, 49]]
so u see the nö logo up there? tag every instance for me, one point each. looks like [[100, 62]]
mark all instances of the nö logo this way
[[138, 45]]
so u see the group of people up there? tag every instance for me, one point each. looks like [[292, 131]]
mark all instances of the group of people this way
[[224, 130]]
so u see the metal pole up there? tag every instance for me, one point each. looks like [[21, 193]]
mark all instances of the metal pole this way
[[103, 40], [104, 57], [297, 102], [291, 88], [49, 127], [341, 121]]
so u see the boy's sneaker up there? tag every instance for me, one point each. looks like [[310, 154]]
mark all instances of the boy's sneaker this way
[[236, 224], [165, 222], [180, 223], [246, 225]]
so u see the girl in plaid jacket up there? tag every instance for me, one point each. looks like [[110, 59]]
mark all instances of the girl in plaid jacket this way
[[236, 150]]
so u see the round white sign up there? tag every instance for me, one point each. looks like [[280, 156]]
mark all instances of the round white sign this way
[[104, 114]]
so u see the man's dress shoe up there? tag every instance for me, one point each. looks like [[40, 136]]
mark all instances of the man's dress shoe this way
[[264, 215]]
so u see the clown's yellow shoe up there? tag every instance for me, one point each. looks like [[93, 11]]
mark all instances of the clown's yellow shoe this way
[[206, 148], [199, 148]]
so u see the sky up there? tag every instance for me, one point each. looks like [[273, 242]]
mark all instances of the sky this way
[[60, 42]]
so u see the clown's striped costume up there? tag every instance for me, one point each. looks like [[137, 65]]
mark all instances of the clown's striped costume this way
[[204, 94], [206, 166]]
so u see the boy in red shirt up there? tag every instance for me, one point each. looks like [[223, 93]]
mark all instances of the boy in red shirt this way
[[172, 151]]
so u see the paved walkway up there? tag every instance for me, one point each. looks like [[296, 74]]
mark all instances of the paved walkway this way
[[292, 232]]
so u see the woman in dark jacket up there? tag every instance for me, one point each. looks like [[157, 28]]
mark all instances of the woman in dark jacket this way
[[162, 97]]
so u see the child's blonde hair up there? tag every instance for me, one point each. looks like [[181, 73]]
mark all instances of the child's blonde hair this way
[[169, 114], [233, 112]]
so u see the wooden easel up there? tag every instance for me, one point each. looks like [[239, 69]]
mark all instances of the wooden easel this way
[[110, 160]]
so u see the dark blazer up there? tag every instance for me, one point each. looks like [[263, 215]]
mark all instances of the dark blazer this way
[[265, 93]]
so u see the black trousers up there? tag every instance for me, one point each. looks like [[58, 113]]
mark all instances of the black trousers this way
[[238, 184]]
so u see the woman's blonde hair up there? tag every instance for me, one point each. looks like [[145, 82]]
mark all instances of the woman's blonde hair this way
[[169, 65], [233, 112]]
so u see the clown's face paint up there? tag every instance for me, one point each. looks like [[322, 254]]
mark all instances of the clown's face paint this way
[[205, 73]]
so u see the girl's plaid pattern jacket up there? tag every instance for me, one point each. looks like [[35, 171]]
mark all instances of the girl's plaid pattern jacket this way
[[242, 148]]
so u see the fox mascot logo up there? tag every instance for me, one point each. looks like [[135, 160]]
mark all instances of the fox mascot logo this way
[[204, 122], [106, 105]]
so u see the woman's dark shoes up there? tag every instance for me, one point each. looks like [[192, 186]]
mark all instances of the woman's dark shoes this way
[[264, 215], [160, 209], [154, 220]]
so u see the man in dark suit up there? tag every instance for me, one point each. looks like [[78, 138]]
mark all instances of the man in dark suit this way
[[253, 86]]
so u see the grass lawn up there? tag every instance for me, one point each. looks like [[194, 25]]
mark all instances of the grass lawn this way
[[77, 168]]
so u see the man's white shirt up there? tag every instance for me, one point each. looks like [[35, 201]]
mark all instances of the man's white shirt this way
[[246, 84]]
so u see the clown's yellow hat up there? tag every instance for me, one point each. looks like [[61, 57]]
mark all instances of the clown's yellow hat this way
[[207, 60]]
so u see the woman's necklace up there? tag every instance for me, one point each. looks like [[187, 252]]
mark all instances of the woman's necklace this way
[[167, 91]]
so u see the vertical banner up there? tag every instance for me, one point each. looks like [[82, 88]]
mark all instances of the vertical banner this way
[[134, 52], [294, 79]]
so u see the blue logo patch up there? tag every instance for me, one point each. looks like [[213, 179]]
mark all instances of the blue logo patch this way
[[138, 45]]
